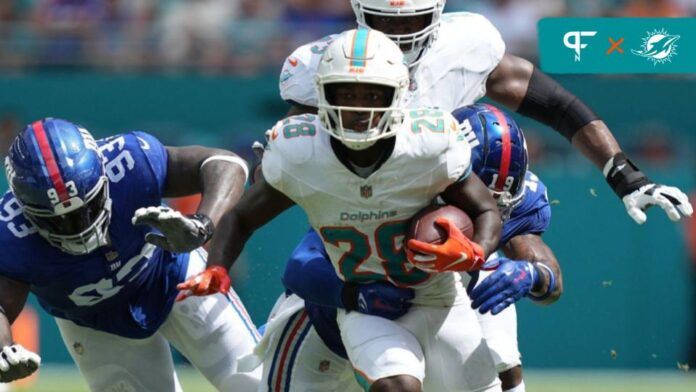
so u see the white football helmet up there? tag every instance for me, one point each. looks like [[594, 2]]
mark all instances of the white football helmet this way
[[362, 56], [419, 41]]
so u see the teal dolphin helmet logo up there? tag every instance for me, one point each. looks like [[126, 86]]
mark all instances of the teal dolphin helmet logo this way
[[659, 47]]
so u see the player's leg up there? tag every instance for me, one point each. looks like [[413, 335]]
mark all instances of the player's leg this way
[[298, 360], [511, 380], [457, 357], [500, 332], [385, 356], [111, 363], [213, 332]]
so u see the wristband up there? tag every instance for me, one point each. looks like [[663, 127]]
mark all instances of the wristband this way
[[623, 176], [550, 289], [208, 226]]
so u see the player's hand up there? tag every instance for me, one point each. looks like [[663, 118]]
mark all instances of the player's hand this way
[[180, 233], [17, 362], [511, 281], [213, 280], [673, 201], [457, 253], [378, 299]]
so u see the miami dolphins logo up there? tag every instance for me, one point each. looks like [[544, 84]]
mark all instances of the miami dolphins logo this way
[[659, 47]]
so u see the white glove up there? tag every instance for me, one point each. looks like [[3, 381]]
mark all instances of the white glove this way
[[180, 233], [17, 362], [672, 200]]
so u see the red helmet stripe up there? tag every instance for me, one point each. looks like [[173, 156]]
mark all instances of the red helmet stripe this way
[[507, 149], [50, 160]]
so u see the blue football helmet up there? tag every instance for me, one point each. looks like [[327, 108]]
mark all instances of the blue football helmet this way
[[57, 175], [498, 152]]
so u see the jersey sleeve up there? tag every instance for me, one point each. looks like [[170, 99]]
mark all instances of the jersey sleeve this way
[[484, 47], [296, 81], [14, 264], [477, 55], [19, 241], [290, 146], [272, 163], [156, 155], [458, 151], [533, 215]]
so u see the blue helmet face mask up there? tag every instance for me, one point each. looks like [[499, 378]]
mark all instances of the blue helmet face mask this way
[[498, 153], [57, 175]]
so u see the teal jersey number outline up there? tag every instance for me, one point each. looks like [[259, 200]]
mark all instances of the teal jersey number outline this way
[[301, 127], [389, 249], [419, 123]]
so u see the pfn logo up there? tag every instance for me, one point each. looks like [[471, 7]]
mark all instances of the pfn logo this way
[[573, 40]]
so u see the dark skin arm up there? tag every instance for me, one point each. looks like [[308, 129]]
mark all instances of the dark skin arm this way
[[531, 247], [508, 84], [474, 198], [221, 183], [297, 109], [259, 205], [13, 296]]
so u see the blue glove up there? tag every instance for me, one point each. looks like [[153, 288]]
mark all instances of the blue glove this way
[[511, 281], [377, 299]]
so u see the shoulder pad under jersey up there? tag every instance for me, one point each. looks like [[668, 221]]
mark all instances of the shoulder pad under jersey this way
[[432, 133], [292, 142], [470, 40]]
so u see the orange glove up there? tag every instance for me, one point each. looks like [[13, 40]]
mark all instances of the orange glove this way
[[213, 280], [458, 253]]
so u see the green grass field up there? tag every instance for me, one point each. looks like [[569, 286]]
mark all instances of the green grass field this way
[[66, 379]]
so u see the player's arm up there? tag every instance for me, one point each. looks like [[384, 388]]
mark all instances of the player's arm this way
[[530, 270], [473, 197], [15, 361], [517, 84], [532, 248], [259, 205], [219, 176], [459, 253]]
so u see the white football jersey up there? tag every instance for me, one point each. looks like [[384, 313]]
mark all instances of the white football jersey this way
[[362, 221], [452, 74]]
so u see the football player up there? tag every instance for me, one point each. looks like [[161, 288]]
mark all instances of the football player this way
[[360, 169], [529, 269], [84, 230], [456, 59]]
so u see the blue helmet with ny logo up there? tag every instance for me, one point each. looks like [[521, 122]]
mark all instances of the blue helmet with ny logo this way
[[56, 173], [498, 152]]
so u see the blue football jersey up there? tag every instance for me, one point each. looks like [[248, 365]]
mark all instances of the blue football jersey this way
[[127, 288], [531, 216]]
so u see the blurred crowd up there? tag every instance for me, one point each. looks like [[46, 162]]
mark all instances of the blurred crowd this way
[[237, 36]]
